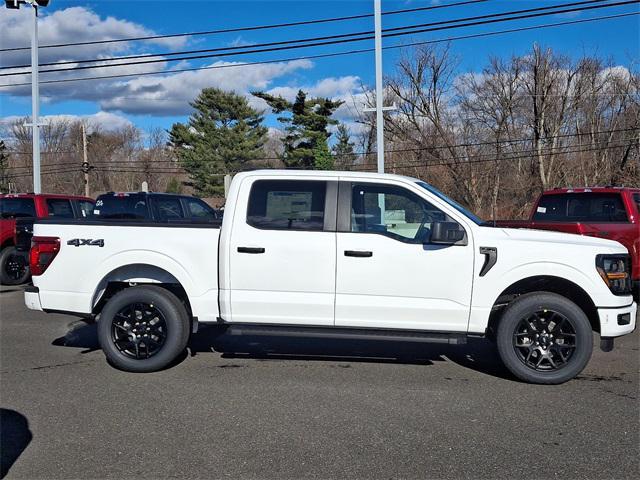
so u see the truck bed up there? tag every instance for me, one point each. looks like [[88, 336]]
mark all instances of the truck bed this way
[[122, 251]]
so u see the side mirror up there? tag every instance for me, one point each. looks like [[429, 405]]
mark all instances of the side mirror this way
[[448, 233]]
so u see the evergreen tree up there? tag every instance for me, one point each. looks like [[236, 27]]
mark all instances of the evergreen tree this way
[[4, 166], [173, 186], [343, 149], [223, 135], [322, 158], [305, 145]]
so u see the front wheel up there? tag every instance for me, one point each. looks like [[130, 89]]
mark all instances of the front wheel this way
[[14, 267], [143, 329], [544, 338]]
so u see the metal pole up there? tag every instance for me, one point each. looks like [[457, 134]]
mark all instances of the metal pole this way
[[379, 93], [85, 161], [35, 102]]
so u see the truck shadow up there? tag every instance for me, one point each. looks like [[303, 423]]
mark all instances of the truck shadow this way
[[15, 436], [478, 354]]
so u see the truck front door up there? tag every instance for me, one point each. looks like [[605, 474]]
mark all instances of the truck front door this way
[[388, 273], [282, 253]]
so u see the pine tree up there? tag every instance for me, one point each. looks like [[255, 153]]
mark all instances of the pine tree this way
[[223, 135], [322, 158], [306, 127], [4, 166], [173, 186], [343, 149]]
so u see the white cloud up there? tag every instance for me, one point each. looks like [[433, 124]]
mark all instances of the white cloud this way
[[240, 42], [103, 120], [171, 94], [72, 25]]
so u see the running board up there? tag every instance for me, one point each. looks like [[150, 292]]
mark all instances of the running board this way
[[450, 338]]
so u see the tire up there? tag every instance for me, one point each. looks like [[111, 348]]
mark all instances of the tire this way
[[143, 329], [14, 267], [544, 338]]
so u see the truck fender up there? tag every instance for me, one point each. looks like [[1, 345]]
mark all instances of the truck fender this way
[[139, 266]]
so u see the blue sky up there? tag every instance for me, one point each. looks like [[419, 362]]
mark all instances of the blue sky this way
[[158, 101]]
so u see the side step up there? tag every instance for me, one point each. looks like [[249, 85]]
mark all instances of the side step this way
[[450, 338]]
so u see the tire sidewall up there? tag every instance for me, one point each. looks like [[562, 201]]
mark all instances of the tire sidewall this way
[[4, 257], [528, 304], [176, 319]]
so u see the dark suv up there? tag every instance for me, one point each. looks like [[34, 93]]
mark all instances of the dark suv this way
[[153, 207]]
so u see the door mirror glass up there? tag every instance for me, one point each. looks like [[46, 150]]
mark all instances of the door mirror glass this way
[[448, 233]]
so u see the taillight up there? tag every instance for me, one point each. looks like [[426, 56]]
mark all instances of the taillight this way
[[43, 251]]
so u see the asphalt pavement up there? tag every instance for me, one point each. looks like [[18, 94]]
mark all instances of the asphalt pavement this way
[[276, 409]]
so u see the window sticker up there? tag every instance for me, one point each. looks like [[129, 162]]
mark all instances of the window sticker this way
[[542, 209]]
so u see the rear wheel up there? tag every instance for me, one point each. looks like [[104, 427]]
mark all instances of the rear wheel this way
[[14, 267], [544, 338], [143, 329]]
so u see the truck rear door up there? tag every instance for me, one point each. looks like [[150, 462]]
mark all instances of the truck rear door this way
[[282, 252]]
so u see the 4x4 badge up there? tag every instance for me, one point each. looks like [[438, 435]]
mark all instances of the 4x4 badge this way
[[78, 242]]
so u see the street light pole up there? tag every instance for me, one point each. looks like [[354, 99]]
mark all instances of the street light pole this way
[[379, 94], [35, 101]]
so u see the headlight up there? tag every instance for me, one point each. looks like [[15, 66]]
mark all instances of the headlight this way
[[615, 272]]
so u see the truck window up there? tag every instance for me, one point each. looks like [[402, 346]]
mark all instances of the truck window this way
[[85, 207], [168, 208], [198, 210], [121, 207], [17, 207], [636, 199], [287, 205], [394, 212], [581, 207], [59, 208]]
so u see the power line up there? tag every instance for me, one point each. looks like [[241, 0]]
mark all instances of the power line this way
[[363, 168], [335, 42], [132, 167], [251, 28], [328, 55], [393, 150], [303, 40]]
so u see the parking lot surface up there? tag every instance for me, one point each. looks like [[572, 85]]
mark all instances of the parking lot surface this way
[[272, 408]]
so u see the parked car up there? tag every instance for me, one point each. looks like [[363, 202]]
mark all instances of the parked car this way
[[23, 208], [604, 212], [350, 255], [153, 207]]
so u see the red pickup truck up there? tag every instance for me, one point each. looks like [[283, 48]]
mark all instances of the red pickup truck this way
[[14, 268], [605, 212]]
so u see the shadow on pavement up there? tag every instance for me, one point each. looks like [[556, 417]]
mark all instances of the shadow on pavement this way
[[10, 290], [14, 438], [478, 355]]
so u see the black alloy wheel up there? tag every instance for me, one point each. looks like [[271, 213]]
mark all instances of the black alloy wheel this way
[[143, 328], [139, 330], [14, 267], [545, 340]]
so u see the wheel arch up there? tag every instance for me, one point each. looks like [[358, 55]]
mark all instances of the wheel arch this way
[[136, 274], [544, 283]]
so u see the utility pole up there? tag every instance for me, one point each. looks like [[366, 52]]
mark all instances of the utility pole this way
[[85, 161], [380, 108], [35, 86], [377, 7], [35, 101]]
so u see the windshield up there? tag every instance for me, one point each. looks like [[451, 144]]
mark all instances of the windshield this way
[[473, 217], [17, 207]]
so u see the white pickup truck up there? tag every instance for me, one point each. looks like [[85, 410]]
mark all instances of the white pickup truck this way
[[352, 255]]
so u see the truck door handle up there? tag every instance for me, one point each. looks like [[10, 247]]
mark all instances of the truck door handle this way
[[357, 253], [253, 250]]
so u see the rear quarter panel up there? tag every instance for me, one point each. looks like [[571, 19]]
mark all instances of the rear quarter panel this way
[[77, 276]]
